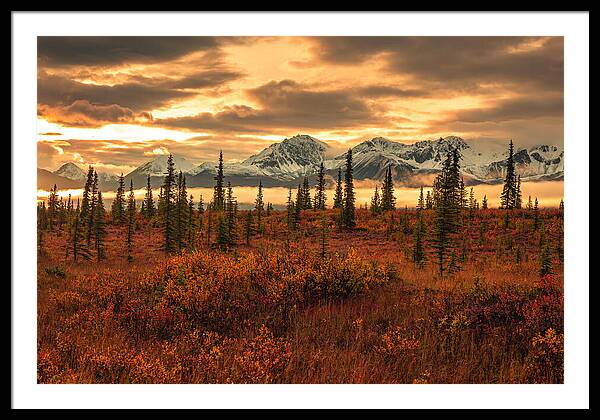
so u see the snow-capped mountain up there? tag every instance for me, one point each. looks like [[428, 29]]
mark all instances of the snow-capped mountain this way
[[158, 166], [286, 162], [294, 155], [480, 165], [73, 172]]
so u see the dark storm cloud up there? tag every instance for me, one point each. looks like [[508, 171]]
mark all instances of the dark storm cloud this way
[[286, 104], [465, 62], [382, 91], [57, 90], [140, 93], [516, 109], [103, 50], [81, 113]]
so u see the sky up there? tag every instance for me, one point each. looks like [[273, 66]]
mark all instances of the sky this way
[[117, 102]]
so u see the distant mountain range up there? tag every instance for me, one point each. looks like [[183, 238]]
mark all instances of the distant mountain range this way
[[287, 162]]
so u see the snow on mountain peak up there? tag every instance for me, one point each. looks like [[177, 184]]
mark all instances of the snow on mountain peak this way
[[71, 171], [290, 155], [158, 166]]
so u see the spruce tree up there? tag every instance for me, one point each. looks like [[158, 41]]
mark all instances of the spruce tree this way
[[545, 261], [529, 204], [93, 199], [348, 214], [418, 234], [41, 215], [99, 228], [181, 210], [507, 197], [484, 203], [320, 197], [338, 196], [421, 201], [447, 206], [259, 206], [518, 199], [231, 215], [118, 205], [464, 201], [169, 212], [191, 224], [299, 204], [429, 201], [52, 212], [375, 203], [149, 209], [223, 241], [388, 201], [77, 239], [248, 226], [291, 212], [86, 209], [219, 190], [306, 200], [130, 221], [536, 215]]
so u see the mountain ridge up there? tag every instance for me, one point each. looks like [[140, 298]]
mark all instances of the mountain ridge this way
[[284, 163]]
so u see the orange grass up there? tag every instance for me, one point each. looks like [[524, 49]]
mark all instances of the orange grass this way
[[275, 312]]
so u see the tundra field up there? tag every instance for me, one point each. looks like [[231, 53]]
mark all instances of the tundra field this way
[[315, 304]]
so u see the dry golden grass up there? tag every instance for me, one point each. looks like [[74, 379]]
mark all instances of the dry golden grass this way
[[274, 312]]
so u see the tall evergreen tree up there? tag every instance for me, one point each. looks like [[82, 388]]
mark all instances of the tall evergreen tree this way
[[231, 214], [338, 196], [536, 215], [52, 212], [219, 191], [130, 221], [484, 203], [248, 226], [259, 206], [418, 234], [99, 227], [118, 205], [181, 209], [508, 196], [320, 197], [85, 197], [348, 214], [518, 199], [447, 210], [429, 201], [191, 224], [149, 209], [388, 201], [291, 212], [464, 200], [299, 204], [306, 200], [77, 239], [545, 260], [222, 241], [375, 203], [169, 211], [421, 201], [93, 200]]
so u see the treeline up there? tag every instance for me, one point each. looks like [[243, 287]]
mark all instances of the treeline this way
[[186, 224]]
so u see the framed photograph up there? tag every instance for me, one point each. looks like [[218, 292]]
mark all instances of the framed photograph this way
[[300, 210]]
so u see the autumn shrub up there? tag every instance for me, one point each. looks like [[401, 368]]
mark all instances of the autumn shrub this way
[[546, 358], [220, 293]]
